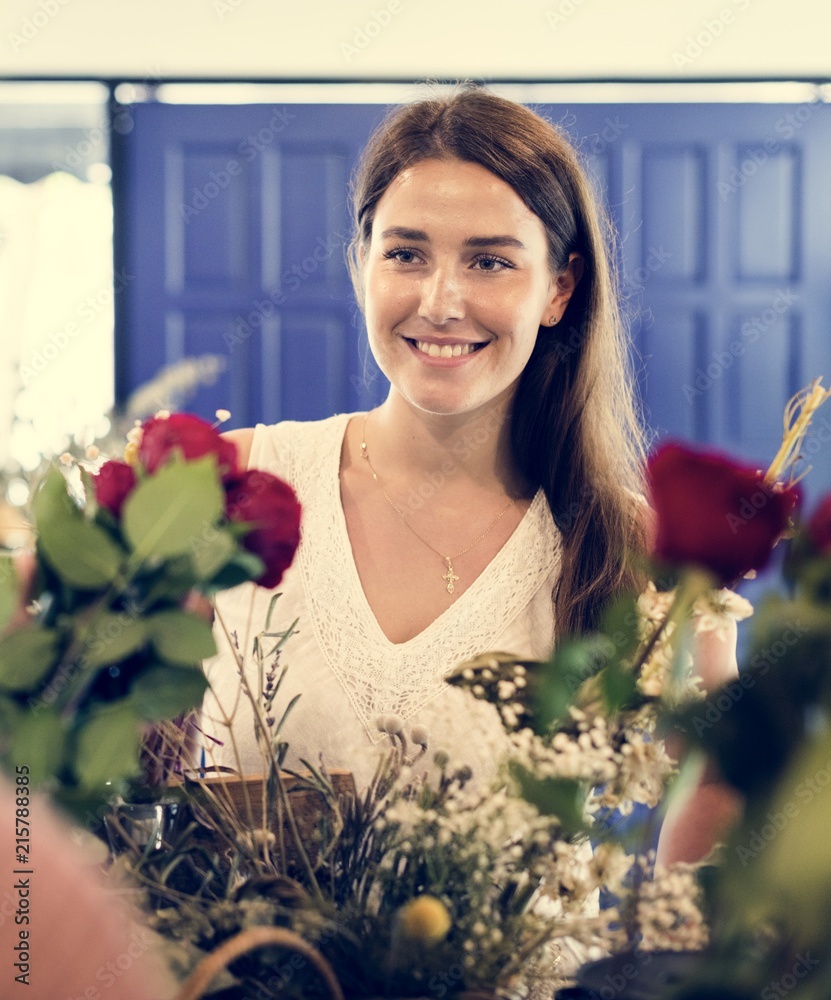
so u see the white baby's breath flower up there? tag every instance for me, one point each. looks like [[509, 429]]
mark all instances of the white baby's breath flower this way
[[223, 415], [420, 736], [505, 690]]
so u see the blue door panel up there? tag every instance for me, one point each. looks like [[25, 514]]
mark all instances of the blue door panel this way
[[233, 222], [724, 213]]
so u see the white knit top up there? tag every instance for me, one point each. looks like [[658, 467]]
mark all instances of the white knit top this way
[[348, 673]]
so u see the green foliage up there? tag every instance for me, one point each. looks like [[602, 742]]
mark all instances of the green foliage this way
[[9, 591], [112, 637], [82, 554], [180, 637], [571, 663], [26, 657], [560, 797], [106, 746], [39, 742], [174, 511], [163, 692]]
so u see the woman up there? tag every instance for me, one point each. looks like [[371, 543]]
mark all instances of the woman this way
[[493, 501]]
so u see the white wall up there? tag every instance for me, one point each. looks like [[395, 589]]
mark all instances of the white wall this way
[[575, 39]]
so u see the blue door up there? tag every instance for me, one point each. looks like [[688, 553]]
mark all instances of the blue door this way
[[231, 225], [725, 220]]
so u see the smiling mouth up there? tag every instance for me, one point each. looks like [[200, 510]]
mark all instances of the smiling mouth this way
[[445, 350]]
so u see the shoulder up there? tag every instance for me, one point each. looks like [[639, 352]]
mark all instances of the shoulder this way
[[243, 439], [250, 441]]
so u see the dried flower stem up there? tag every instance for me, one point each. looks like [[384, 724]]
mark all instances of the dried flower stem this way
[[797, 418]]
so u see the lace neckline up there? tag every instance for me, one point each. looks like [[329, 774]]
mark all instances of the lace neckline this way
[[380, 676], [455, 610]]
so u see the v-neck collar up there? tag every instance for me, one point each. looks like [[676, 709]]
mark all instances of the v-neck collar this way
[[381, 676]]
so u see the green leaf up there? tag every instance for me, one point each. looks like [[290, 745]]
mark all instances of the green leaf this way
[[174, 511], [165, 692], [621, 626], [26, 657], [209, 558], [243, 567], [39, 743], [9, 590], [107, 747], [560, 797], [181, 637], [10, 712], [619, 687], [82, 554], [571, 664], [52, 502], [113, 636]]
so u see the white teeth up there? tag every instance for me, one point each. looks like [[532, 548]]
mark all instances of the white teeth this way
[[446, 350]]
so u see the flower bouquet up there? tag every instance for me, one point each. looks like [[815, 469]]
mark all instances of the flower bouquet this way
[[112, 647]]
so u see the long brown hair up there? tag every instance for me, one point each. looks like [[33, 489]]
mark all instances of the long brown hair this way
[[574, 427]]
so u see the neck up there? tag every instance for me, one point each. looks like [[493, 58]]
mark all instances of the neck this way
[[463, 449]]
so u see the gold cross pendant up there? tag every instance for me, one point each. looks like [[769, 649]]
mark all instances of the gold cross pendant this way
[[450, 576]]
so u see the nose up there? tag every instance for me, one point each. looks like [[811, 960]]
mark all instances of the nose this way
[[441, 297]]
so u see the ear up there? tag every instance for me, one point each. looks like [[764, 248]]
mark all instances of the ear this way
[[562, 288]]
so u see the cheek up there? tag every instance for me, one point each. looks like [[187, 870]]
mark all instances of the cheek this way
[[385, 300]]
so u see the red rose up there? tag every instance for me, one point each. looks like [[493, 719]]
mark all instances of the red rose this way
[[114, 482], [715, 513], [190, 435], [271, 505], [819, 527]]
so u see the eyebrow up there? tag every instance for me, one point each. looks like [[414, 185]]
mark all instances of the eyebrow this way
[[478, 242]]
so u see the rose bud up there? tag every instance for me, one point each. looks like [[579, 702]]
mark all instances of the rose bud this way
[[819, 527], [271, 505], [713, 512], [114, 482], [187, 434]]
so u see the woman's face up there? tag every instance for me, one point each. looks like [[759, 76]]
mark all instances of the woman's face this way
[[457, 283]]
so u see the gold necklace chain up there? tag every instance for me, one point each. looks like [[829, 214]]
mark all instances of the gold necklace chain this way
[[449, 577]]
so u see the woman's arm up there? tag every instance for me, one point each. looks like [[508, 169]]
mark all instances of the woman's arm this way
[[242, 438], [698, 821]]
